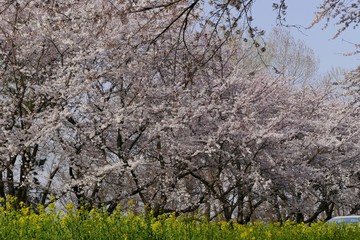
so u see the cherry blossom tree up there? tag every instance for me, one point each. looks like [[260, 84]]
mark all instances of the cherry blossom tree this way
[[161, 103], [346, 16], [64, 64], [344, 13]]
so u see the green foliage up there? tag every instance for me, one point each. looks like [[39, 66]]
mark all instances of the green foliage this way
[[51, 223]]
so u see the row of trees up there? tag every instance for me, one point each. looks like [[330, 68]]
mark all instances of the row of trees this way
[[103, 102]]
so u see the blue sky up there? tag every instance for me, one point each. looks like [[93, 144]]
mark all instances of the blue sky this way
[[330, 52]]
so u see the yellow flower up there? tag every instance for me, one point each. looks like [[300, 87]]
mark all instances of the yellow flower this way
[[223, 225], [69, 207], [244, 234], [156, 227], [24, 210], [38, 226]]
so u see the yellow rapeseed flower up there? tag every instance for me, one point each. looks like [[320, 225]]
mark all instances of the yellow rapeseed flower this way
[[244, 234], [223, 225], [24, 210], [69, 207], [268, 234], [156, 227]]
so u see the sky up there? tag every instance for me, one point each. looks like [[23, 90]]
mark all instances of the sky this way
[[301, 12]]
